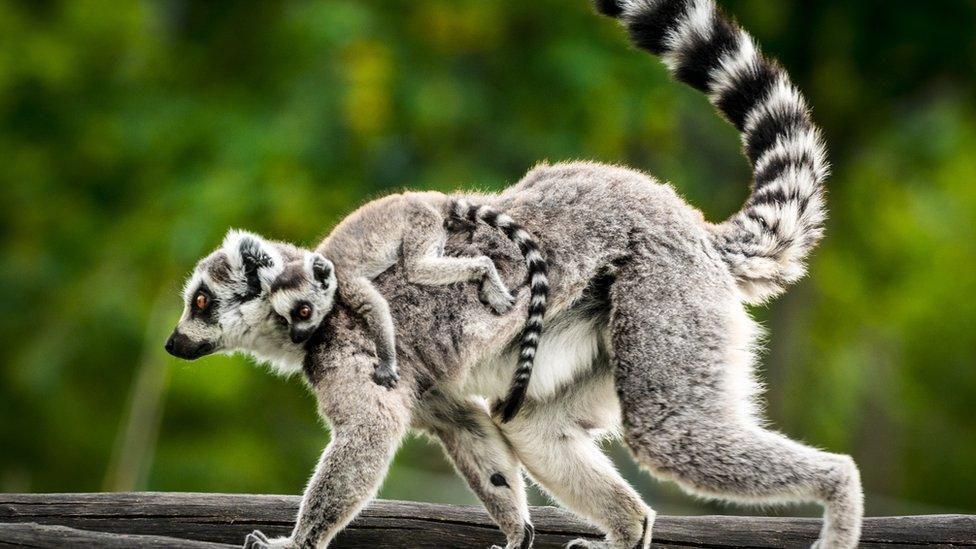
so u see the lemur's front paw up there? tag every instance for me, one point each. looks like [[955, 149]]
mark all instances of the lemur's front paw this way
[[498, 298], [257, 540], [523, 541], [385, 376]]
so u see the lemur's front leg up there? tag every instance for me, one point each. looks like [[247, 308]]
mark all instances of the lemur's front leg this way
[[485, 460], [368, 423]]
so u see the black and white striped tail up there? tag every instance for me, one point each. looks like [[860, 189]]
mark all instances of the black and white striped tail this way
[[538, 294], [766, 243]]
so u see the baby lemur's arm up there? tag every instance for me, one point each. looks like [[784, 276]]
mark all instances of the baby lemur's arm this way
[[360, 294]]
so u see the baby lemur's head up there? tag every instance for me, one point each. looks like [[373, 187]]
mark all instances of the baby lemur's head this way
[[303, 293]]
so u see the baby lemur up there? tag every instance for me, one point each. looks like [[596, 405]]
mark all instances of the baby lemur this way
[[410, 226]]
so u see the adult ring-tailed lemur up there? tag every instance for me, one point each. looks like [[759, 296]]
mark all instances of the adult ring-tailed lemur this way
[[647, 337]]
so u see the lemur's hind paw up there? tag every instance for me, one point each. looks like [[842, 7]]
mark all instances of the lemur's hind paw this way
[[385, 376], [257, 540], [497, 298]]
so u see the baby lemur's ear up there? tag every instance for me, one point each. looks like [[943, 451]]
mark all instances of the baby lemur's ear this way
[[322, 269]]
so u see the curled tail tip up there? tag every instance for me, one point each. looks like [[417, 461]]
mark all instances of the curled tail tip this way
[[767, 242]]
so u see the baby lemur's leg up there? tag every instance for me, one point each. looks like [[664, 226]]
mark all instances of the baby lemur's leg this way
[[368, 303], [683, 377], [568, 463], [483, 457], [423, 248]]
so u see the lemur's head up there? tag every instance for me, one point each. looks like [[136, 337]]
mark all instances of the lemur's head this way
[[303, 294], [226, 307]]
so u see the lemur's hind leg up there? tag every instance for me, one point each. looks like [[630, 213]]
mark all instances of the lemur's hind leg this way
[[485, 460], [679, 345], [560, 454], [368, 303], [425, 264]]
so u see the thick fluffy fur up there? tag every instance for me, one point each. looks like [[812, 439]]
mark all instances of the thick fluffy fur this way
[[297, 285], [766, 243], [408, 227], [238, 315], [647, 336], [538, 278]]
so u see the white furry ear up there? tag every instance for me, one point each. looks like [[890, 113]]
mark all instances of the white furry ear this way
[[250, 253], [232, 245], [321, 268]]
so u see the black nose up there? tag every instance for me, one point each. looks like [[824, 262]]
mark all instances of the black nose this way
[[181, 346]]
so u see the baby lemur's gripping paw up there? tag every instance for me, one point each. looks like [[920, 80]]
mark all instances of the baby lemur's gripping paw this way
[[257, 540], [496, 297], [385, 375]]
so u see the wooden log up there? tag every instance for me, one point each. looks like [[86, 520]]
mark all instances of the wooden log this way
[[209, 520], [44, 536]]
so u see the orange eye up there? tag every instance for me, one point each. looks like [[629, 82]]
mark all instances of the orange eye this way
[[304, 312], [200, 301]]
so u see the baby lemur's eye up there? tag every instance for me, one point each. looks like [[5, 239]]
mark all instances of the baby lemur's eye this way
[[200, 301], [303, 311]]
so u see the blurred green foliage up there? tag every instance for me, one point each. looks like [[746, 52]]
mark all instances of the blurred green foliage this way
[[133, 134]]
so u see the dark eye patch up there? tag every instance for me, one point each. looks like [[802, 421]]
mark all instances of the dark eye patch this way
[[208, 314], [290, 278]]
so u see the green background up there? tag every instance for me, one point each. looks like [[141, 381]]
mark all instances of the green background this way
[[134, 134]]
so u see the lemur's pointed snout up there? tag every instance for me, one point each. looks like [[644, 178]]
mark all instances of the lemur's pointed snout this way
[[181, 346]]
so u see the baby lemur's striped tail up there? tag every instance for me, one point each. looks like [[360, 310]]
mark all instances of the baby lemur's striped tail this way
[[538, 294], [766, 243]]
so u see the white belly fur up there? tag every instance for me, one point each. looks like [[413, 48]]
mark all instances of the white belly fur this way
[[567, 374]]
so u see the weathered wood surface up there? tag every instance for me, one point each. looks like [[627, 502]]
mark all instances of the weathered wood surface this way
[[221, 520]]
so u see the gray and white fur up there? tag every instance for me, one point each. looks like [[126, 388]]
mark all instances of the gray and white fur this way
[[408, 227], [303, 292], [647, 336], [538, 294]]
